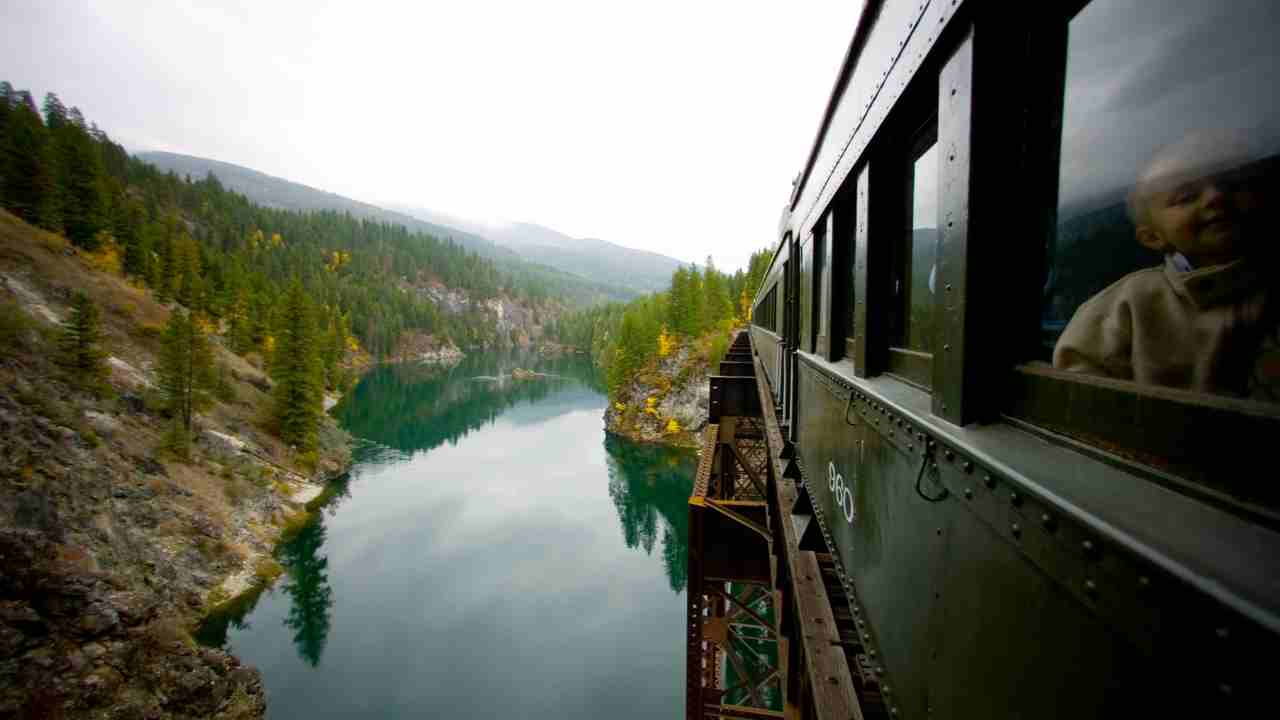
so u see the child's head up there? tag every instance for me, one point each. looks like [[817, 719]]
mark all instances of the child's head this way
[[1192, 199]]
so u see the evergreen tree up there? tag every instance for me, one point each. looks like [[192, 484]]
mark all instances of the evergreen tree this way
[[55, 113], [296, 369], [29, 181], [186, 371], [717, 306], [81, 341], [184, 268], [697, 314], [240, 325]]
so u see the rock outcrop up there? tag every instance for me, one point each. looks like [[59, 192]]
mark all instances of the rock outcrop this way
[[665, 402], [114, 542]]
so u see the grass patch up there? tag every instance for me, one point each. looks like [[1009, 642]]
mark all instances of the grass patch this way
[[267, 570], [163, 633], [15, 328], [235, 489], [296, 523]]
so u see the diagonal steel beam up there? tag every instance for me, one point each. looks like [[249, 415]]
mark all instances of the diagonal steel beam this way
[[738, 517], [742, 605], [732, 653], [751, 473]]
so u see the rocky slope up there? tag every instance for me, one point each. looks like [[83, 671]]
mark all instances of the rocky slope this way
[[665, 402], [110, 551]]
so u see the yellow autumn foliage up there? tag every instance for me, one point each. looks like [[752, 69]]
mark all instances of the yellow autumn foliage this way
[[666, 342], [107, 257], [672, 426], [619, 407], [336, 260]]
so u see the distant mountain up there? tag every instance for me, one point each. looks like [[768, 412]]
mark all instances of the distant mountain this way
[[589, 270], [637, 270], [277, 192]]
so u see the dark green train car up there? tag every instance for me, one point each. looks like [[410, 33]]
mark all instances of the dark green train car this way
[[1023, 328]]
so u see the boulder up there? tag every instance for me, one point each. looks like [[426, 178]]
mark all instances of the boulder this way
[[102, 423]]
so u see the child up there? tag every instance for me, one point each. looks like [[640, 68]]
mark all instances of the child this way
[[1197, 321]]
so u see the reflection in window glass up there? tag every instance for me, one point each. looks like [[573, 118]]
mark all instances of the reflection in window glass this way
[[921, 257], [822, 298], [1170, 137]]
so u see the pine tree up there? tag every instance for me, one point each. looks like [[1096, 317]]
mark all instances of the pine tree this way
[[296, 369], [697, 314], [81, 341], [716, 303], [187, 372], [28, 166], [240, 325], [186, 284]]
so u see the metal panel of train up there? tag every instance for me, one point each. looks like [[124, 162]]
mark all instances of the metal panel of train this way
[[1022, 337]]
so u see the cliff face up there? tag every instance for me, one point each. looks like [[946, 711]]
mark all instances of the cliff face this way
[[111, 550], [498, 322], [665, 402]]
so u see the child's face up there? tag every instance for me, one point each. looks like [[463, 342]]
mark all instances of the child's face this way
[[1201, 215]]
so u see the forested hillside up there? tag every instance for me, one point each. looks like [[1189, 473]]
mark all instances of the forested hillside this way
[[699, 308], [221, 255], [656, 351], [534, 274], [273, 192]]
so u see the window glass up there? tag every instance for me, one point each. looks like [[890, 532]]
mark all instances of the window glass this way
[[921, 253], [822, 294], [1171, 128], [806, 295]]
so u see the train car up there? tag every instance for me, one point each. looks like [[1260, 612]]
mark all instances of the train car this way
[[1020, 328]]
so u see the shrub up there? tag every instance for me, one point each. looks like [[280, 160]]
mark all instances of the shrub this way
[[14, 327], [235, 490], [267, 570], [176, 442]]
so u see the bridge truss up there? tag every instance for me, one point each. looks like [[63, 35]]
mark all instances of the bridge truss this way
[[770, 632]]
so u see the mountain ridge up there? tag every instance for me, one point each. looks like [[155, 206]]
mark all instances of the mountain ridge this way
[[285, 194], [614, 271], [600, 260]]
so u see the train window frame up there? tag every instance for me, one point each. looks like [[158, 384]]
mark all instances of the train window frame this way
[[1202, 445], [820, 305], [913, 366], [841, 245]]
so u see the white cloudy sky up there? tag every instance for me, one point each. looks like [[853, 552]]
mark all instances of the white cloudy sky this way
[[671, 126]]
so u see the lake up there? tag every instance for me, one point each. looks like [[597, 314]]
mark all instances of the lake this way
[[492, 553]]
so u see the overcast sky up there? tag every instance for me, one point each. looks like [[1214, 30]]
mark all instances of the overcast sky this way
[[670, 126]]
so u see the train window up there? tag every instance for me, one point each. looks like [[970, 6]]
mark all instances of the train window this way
[[1159, 269], [821, 298], [915, 263], [1159, 332], [766, 312]]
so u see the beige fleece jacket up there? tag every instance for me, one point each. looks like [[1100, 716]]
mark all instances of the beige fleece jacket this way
[[1197, 330]]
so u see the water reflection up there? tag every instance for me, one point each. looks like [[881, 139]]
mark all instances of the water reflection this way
[[306, 584], [413, 407], [649, 483], [308, 588], [477, 568]]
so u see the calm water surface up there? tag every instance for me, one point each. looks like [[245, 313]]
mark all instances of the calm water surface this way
[[492, 554]]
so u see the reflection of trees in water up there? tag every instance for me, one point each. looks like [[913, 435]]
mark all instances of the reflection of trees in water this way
[[413, 407], [298, 556], [648, 483], [308, 589]]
